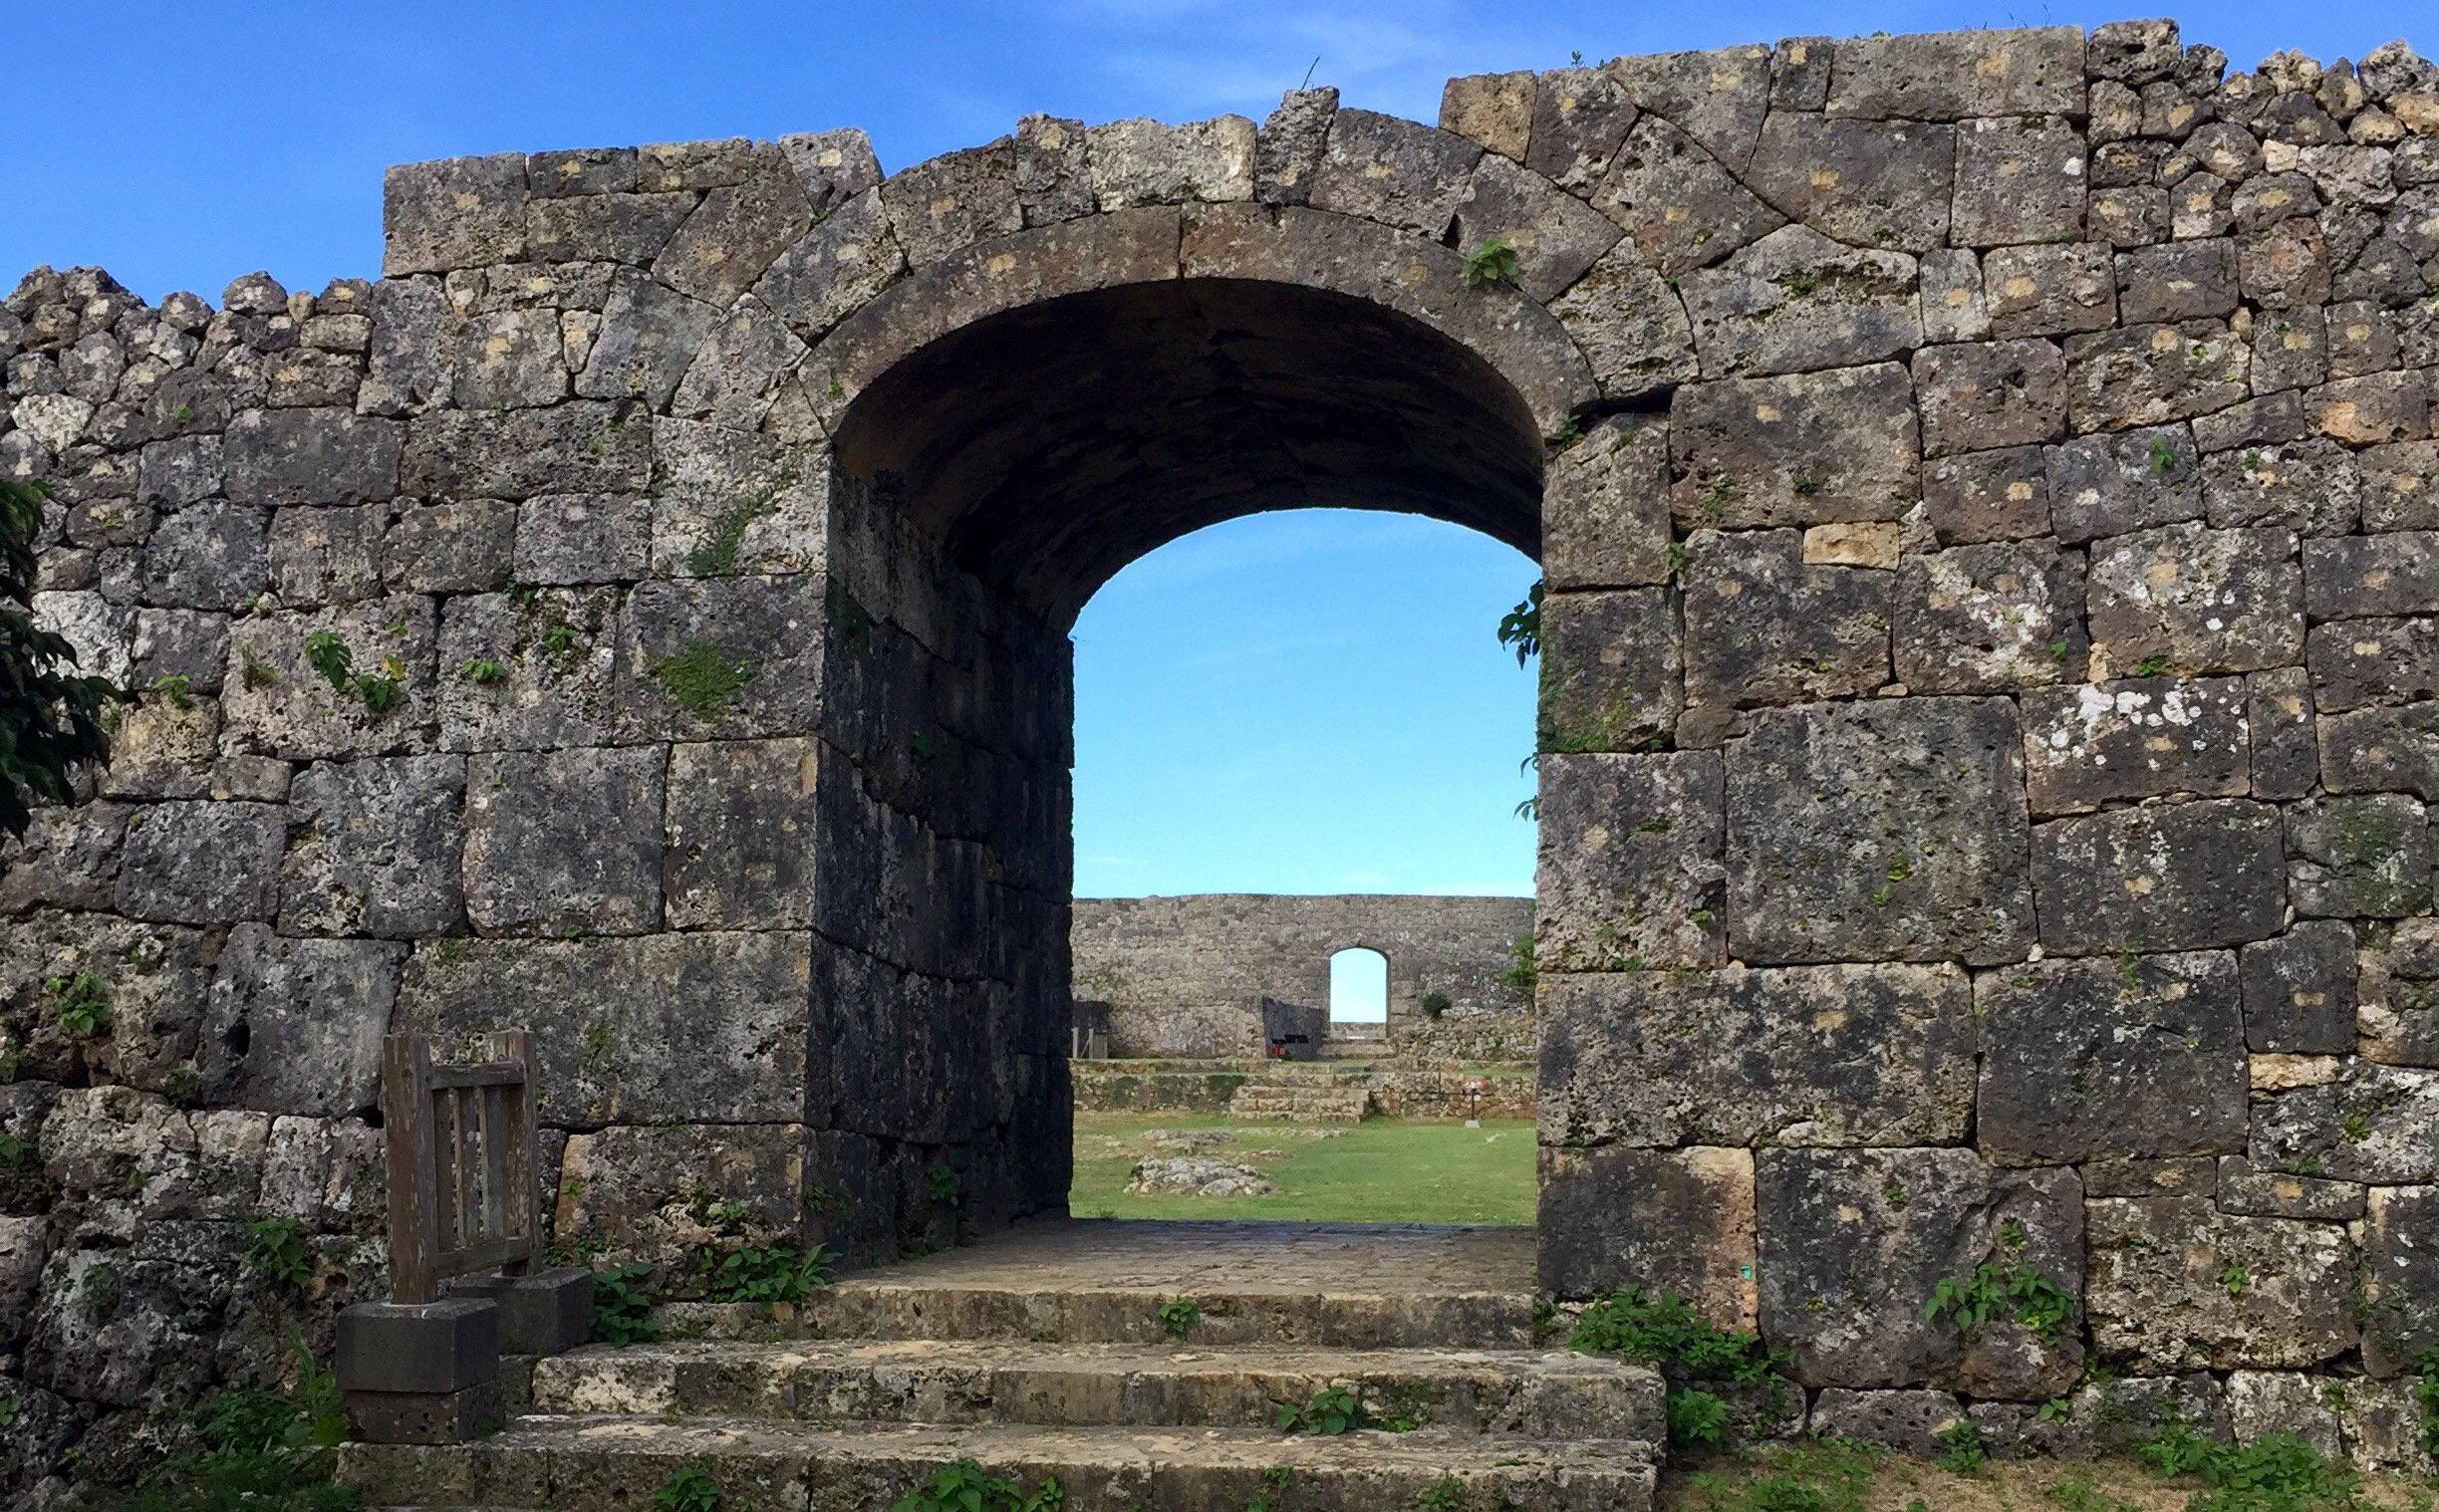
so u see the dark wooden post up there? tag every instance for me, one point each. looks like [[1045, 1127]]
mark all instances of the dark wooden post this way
[[415, 1202]]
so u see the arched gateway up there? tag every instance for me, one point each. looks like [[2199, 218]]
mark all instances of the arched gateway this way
[[1985, 485]]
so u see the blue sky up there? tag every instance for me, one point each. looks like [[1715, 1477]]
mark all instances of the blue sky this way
[[1305, 702]]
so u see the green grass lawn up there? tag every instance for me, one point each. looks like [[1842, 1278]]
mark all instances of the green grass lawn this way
[[1382, 1170]]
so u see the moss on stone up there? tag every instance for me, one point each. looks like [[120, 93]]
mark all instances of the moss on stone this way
[[703, 678]]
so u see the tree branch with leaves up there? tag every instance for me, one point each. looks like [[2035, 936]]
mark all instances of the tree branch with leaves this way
[[51, 715]]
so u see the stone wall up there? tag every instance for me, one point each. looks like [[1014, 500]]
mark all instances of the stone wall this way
[[1986, 490], [1161, 961]]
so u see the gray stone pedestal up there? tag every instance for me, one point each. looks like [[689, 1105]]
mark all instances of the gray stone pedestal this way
[[421, 1371], [546, 1312]]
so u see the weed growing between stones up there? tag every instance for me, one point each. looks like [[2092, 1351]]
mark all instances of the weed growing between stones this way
[[1522, 975], [943, 1183], [778, 1273], [716, 554], [2276, 1473], [2426, 1396], [275, 1254], [2009, 1289], [1442, 1496], [1275, 1481], [965, 1486], [258, 1450], [1968, 1450], [1434, 1004], [703, 679], [1333, 1410], [621, 1308], [1664, 1332], [483, 672], [1825, 1476], [1179, 1316], [1491, 263], [689, 1490], [84, 1004], [335, 661]]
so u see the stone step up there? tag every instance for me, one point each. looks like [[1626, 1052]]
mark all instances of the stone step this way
[[873, 1306], [607, 1464], [1515, 1392], [1307, 1103]]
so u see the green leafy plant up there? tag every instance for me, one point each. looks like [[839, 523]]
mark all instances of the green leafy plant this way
[[1691, 1353], [256, 1450], [2426, 1396], [1520, 630], [1493, 262], [2236, 1279], [275, 1254], [1966, 1449], [1696, 1415], [1434, 1004], [692, 1489], [943, 1183], [482, 672], [1825, 1476], [14, 1151], [329, 655], [53, 721], [84, 1004], [622, 1307], [1442, 1496], [1332, 1412], [2278, 1472], [177, 687], [777, 1273], [1524, 974], [10, 1407], [2005, 1288], [1179, 1316], [2150, 666], [964, 1487]]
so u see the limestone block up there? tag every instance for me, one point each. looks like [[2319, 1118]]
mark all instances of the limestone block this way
[[509, 359], [211, 556], [2100, 743], [648, 1195], [1556, 237], [581, 537], [412, 357], [735, 378], [1986, 618], [616, 228], [376, 849], [2177, 281], [1287, 151], [1605, 510], [735, 232], [2400, 1278], [2300, 990], [2399, 995], [2360, 857], [1719, 97], [2019, 179], [1982, 396], [1492, 110], [2106, 1418], [850, 256], [726, 503], [180, 471], [1871, 1233], [1797, 302], [649, 336], [310, 456], [1612, 669], [738, 1000], [2382, 1424], [720, 658], [203, 863], [153, 978], [1669, 1221], [1909, 1421], [459, 213], [2373, 1123], [2264, 1402], [2246, 1190], [1888, 830], [1679, 208], [327, 1174], [2286, 265], [1398, 173], [2356, 576], [1948, 75], [1764, 628], [1981, 496], [949, 202], [2290, 350], [740, 838], [1631, 861], [1794, 450], [2354, 662], [1630, 326], [2178, 1285], [2191, 599], [1890, 187], [450, 548], [565, 842], [1801, 1056], [2094, 1059], [1953, 306], [119, 1326], [163, 750], [1146, 162], [2152, 374], [833, 167], [556, 650], [2376, 410], [2111, 485], [326, 556], [295, 1025], [576, 447], [2172, 876], [279, 705], [1580, 116], [2310, 487], [66, 859]]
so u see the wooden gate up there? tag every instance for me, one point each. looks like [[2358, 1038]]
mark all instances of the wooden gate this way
[[463, 1149]]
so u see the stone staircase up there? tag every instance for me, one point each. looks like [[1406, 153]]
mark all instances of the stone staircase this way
[[1305, 1099], [1068, 1374]]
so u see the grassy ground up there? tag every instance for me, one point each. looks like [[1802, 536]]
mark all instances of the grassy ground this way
[[1382, 1170], [1832, 1478]]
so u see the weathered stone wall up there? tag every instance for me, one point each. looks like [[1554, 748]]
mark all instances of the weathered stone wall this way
[[1160, 961], [1986, 490]]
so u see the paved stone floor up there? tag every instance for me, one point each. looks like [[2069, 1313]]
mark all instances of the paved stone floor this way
[[1189, 1258]]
